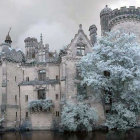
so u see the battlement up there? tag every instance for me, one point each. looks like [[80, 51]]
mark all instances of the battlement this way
[[29, 39], [124, 14]]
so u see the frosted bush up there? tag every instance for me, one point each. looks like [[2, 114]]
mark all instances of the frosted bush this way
[[78, 117], [121, 118], [40, 105]]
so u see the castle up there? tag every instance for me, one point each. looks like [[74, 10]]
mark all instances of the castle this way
[[38, 75]]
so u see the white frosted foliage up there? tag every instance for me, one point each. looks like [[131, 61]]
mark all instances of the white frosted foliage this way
[[78, 117], [119, 54]]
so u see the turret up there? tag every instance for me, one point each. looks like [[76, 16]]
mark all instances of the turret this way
[[104, 19], [93, 34], [8, 38]]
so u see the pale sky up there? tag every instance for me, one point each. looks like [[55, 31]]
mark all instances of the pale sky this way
[[57, 20]]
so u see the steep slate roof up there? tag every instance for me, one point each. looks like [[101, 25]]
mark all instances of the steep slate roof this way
[[11, 54]]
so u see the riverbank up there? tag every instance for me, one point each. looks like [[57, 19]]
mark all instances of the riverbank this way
[[53, 135]]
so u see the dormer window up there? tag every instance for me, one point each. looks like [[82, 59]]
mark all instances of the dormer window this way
[[42, 75], [80, 49]]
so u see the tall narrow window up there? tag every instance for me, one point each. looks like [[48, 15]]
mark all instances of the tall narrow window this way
[[56, 96], [27, 78], [26, 115], [56, 77], [15, 78], [57, 113], [16, 115], [23, 75], [16, 98], [33, 55], [41, 94], [42, 75], [26, 98]]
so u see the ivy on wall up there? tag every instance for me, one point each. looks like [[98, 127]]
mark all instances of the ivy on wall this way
[[40, 105]]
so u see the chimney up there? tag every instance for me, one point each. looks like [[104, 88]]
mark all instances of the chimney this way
[[93, 34]]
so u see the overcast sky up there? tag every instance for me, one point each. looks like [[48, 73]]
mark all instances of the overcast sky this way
[[57, 20]]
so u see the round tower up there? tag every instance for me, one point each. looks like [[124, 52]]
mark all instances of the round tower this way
[[104, 17], [93, 34], [126, 20], [31, 45]]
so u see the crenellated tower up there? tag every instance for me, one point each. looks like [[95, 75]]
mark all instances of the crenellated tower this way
[[123, 15], [31, 45], [126, 20]]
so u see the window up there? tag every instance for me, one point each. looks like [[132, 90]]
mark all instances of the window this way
[[56, 77], [42, 75], [78, 72], [80, 50], [27, 78], [107, 111], [26, 98], [16, 98], [15, 78], [57, 113], [106, 73], [26, 115], [33, 55], [56, 96], [16, 115], [41, 94]]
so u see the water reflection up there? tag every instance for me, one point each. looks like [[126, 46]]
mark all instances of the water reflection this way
[[47, 135]]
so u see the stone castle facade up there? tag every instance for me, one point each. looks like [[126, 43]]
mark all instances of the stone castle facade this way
[[40, 75]]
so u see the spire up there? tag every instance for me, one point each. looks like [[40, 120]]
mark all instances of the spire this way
[[8, 38], [41, 39]]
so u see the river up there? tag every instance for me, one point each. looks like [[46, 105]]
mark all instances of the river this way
[[49, 135]]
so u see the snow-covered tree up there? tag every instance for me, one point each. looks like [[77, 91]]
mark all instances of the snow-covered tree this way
[[114, 68], [78, 117]]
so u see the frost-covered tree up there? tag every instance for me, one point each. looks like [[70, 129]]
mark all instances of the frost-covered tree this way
[[78, 117], [114, 68]]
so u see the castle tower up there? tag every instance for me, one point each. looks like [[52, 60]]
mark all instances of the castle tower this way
[[93, 34], [126, 20], [104, 18], [31, 45]]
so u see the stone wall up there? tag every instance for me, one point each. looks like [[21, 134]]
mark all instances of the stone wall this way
[[129, 27]]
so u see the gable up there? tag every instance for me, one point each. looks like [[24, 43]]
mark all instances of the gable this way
[[79, 43]]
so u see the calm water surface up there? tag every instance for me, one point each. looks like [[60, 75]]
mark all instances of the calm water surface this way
[[47, 135]]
